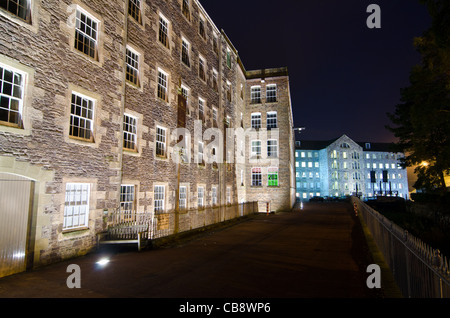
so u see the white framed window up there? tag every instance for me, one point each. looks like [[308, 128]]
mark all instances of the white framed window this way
[[256, 148], [255, 94], [81, 117], [161, 141], [76, 206], [86, 33], [272, 148], [163, 34], [158, 198], [185, 52], [20, 8], [214, 195], [200, 157], [12, 84], [272, 120], [129, 132], [132, 73], [201, 109], [256, 177], [183, 198], [127, 199], [134, 9], [162, 85], [256, 120], [200, 197], [201, 68], [271, 93]]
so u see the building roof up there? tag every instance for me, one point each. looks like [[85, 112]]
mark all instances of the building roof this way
[[322, 144]]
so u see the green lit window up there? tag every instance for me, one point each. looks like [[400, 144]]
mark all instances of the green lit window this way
[[272, 177]]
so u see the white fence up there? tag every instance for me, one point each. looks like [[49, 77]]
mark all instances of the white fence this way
[[419, 270]]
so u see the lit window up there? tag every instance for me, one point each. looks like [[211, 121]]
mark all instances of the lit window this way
[[20, 8], [271, 120], [127, 198], [132, 74], [129, 132], [228, 195], [214, 195], [271, 93], [200, 153], [272, 148], [255, 94], [11, 96], [163, 31], [228, 58], [272, 177], [160, 141], [162, 85], [183, 198], [185, 93], [81, 117], [256, 148], [256, 120], [76, 206], [158, 197], [185, 48], [201, 109], [86, 30], [134, 9], [201, 194], [256, 177]]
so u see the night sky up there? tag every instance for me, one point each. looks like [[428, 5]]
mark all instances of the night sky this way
[[344, 77]]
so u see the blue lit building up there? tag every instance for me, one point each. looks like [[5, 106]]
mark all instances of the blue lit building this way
[[341, 167]]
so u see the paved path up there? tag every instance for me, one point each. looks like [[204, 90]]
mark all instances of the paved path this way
[[319, 251]]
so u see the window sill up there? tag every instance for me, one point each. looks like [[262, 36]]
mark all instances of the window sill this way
[[78, 229]]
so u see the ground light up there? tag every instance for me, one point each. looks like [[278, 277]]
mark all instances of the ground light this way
[[103, 261]]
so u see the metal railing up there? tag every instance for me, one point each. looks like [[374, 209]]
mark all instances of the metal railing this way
[[419, 270]]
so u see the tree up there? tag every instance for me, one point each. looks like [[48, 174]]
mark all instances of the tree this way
[[422, 119]]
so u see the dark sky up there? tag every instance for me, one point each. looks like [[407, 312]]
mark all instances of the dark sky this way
[[344, 77]]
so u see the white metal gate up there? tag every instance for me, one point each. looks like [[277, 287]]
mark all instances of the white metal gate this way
[[16, 200]]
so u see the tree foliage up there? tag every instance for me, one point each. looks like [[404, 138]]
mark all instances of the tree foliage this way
[[422, 119]]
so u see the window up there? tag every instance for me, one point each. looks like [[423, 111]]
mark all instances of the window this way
[[127, 197], [163, 31], [256, 148], [215, 76], [185, 49], [271, 93], [271, 120], [162, 85], [200, 153], [86, 29], [255, 94], [201, 68], [228, 195], [214, 195], [183, 198], [201, 194], [132, 74], [228, 91], [201, 109], [81, 117], [228, 58], [134, 9], [186, 10], [158, 196], [76, 206], [160, 141], [11, 96], [272, 148], [201, 28], [256, 177], [20, 8], [129, 132], [256, 120], [215, 46], [185, 93], [272, 177], [214, 115]]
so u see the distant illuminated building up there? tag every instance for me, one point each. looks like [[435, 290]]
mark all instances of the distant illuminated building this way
[[342, 167]]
